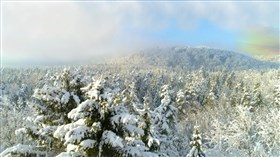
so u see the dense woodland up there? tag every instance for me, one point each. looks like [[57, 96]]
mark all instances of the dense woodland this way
[[139, 110]]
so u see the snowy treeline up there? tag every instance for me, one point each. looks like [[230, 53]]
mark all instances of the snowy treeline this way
[[193, 58], [131, 111]]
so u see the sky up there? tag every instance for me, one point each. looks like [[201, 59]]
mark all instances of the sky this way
[[57, 33]]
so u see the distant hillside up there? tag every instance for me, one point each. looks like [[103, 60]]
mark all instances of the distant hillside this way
[[272, 58], [192, 58]]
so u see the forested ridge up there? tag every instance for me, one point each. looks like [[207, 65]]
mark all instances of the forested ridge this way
[[208, 103]]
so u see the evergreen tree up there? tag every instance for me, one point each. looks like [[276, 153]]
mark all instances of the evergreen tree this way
[[101, 127], [129, 98], [149, 133], [235, 97], [211, 99], [22, 96], [181, 104], [52, 103], [276, 96], [191, 95], [246, 97], [165, 119], [166, 112], [257, 100], [196, 150]]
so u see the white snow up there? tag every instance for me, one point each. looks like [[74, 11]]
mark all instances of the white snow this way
[[153, 140], [47, 130], [62, 130], [39, 119], [24, 150], [88, 143], [109, 137], [82, 109], [69, 154], [77, 134], [71, 147], [20, 131], [96, 126], [65, 98], [76, 98], [124, 118]]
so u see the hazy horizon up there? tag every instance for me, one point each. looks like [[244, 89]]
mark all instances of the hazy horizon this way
[[51, 33]]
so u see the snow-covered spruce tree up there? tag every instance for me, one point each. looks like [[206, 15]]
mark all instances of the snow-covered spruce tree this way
[[193, 92], [101, 127], [229, 82], [149, 133], [276, 96], [165, 120], [257, 99], [198, 85], [129, 98], [246, 97], [50, 107], [22, 95], [181, 104], [191, 97], [140, 85], [211, 99], [235, 97], [166, 113], [196, 144]]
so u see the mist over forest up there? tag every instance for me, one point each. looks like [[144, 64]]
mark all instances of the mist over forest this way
[[176, 101], [139, 78]]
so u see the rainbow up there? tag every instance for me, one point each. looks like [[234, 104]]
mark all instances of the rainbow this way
[[262, 42]]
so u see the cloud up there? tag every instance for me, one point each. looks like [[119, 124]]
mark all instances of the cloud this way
[[260, 41], [50, 32], [230, 15], [49, 29]]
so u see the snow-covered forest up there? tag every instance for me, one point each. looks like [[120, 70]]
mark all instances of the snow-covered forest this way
[[142, 110]]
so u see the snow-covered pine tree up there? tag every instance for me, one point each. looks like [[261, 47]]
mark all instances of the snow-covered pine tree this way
[[129, 98], [149, 133], [196, 150], [181, 104], [235, 97], [165, 120], [166, 112], [190, 94], [52, 103], [257, 100], [193, 91], [211, 99], [101, 127], [276, 96], [21, 97], [246, 97]]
